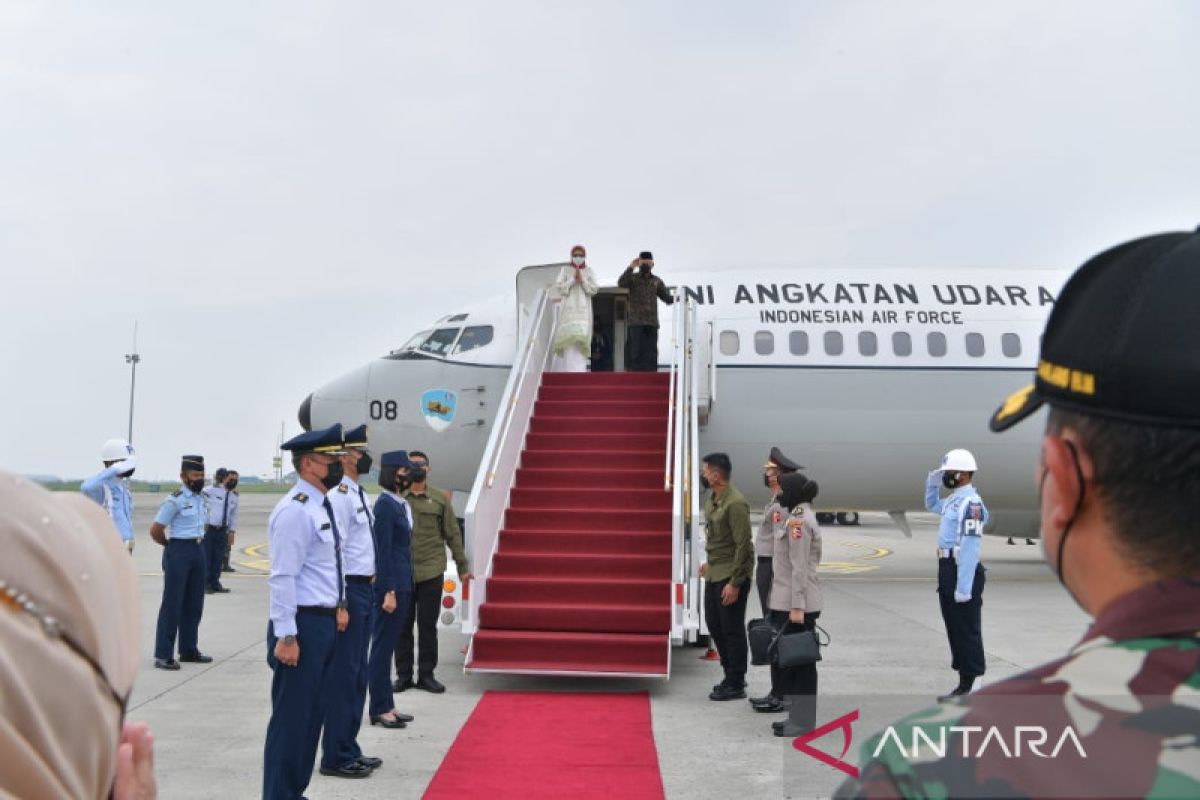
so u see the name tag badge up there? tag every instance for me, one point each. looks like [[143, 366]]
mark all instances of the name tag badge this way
[[325, 527]]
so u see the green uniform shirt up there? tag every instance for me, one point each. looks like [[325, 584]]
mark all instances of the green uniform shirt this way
[[730, 545], [434, 528]]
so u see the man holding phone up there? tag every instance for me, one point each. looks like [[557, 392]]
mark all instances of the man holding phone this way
[[645, 290]]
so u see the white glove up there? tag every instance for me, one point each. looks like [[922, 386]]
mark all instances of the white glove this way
[[934, 476], [126, 466], [959, 597]]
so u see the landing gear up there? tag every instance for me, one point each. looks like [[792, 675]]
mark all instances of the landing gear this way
[[825, 517], [847, 518]]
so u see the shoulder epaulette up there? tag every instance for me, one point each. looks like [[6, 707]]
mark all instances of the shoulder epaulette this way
[[300, 497], [176, 493], [343, 488]]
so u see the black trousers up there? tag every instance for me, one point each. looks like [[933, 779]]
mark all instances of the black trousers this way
[[643, 348], [797, 683], [764, 577], [423, 612], [216, 543], [727, 627], [964, 621]]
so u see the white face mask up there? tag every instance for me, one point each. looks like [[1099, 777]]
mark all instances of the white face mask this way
[[577, 260]]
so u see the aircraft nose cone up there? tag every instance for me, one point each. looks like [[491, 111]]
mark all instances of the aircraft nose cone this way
[[305, 415]]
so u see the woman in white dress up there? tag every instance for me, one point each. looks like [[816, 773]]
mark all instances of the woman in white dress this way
[[575, 285]]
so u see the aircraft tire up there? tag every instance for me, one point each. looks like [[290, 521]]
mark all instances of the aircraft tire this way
[[825, 517], [847, 518]]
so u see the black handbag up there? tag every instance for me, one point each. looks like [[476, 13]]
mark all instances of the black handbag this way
[[761, 635], [798, 649]]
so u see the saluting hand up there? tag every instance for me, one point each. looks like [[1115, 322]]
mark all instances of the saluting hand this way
[[343, 620], [287, 654]]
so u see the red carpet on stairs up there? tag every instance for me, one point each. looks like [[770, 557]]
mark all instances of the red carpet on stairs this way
[[553, 745], [582, 577]]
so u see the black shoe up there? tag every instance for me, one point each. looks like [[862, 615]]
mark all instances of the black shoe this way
[[1010, 541], [227, 568], [352, 770], [370, 762], [166, 663], [222, 590], [766, 699], [405, 718], [198, 658], [207, 590], [727, 693], [790, 729], [402, 685], [717, 686], [386, 722], [1029, 541], [774, 707], [958, 692], [430, 684]]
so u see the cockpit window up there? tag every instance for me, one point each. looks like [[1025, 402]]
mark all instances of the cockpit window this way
[[475, 337], [413, 343], [440, 341]]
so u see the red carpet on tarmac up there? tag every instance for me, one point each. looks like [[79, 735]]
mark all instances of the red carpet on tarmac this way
[[552, 745]]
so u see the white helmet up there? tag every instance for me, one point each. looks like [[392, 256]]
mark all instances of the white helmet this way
[[116, 450], [959, 460]]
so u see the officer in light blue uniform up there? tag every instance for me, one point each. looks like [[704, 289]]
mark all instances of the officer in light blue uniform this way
[[960, 573], [221, 522], [340, 754], [110, 487], [308, 609], [185, 513]]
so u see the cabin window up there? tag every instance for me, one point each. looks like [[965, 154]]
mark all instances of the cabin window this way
[[764, 343], [414, 342], [901, 344], [731, 343], [936, 342], [798, 343], [975, 345], [833, 343], [440, 341], [1010, 343], [475, 337], [868, 343]]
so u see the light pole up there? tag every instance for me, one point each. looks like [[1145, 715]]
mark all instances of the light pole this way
[[132, 359]]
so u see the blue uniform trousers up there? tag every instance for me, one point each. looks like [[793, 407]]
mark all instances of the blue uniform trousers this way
[[297, 694], [384, 638], [216, 539], [347, 682], [964, 623], [182, 600]]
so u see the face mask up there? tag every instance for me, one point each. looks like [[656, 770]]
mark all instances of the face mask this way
[[577, 260], [403, 484], [950, 480], [1057, 564], [645, 269], [196, 486], [231, 485], [333, 475], [364, 463], [704, 483], [418, 475], [128, 474]]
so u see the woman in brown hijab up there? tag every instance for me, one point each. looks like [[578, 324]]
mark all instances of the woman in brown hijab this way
[[68, 651]]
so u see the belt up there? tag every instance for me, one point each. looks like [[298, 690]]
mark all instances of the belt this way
[[215, 527], [947, 552], [360, 579], [184, 541], [318, 610]]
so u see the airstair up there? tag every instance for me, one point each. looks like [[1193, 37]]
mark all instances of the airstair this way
[[583, 521]]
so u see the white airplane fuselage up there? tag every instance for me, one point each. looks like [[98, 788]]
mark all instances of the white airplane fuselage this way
[[865, 377]]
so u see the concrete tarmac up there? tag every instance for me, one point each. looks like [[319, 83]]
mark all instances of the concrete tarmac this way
[[881, 609]]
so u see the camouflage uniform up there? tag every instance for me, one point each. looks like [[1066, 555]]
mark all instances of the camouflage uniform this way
[[645, 290], [1130, 690]]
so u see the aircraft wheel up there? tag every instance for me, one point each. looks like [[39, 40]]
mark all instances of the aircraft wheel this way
[[825, 518], [847, 518]]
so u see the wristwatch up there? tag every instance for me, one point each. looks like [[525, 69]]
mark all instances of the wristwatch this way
[[290, 639]]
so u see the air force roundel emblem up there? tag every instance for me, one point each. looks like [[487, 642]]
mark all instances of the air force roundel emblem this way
[[438, 406]]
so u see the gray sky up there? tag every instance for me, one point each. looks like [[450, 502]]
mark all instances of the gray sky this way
[[280, 191]]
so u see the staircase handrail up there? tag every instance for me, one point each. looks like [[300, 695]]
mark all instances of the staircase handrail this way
[[683, 445], [488, 503]]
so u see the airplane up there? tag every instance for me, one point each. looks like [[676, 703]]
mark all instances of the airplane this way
[[864, 376]]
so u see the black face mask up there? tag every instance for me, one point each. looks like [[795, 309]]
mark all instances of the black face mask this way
[[364, 463], [196, 486], [1057, 566], [645, 269], [402, 484], [333, 475], [704, 484], [231, 485], [418, 475], [127, 474], [950, 480]]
